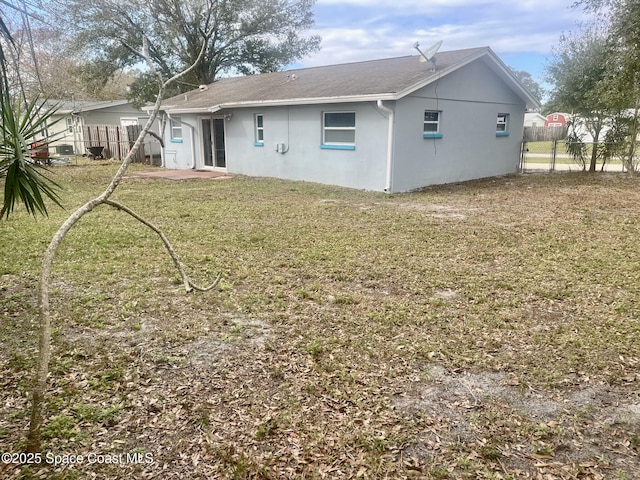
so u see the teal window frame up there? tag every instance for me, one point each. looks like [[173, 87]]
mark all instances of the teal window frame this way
[[502, 125], [340, 123], [258, 121], [175, 127], [431, 124], [325, 146]]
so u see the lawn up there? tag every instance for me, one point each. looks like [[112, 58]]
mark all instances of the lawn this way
[[481, 330]]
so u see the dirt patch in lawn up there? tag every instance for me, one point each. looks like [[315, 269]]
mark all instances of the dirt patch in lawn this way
[[450, 212], [243, 332], [565, 427], [186, 174]]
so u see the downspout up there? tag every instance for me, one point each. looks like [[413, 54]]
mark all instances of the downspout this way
[[391, 114], [163, 126], [193, 138]]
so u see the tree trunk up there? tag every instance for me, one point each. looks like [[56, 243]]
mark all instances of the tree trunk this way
[[34, 438], [594, 149], [633, 132], [44, 341], [594, 157]]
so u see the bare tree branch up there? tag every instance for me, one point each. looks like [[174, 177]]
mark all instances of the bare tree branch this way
[[44, 340], [188, 284]]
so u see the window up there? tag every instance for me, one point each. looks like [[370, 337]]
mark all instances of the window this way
[[339, 130], [502, 125], [432, 124], [69, 121], [176, 129], [555, 117], [259, 127]]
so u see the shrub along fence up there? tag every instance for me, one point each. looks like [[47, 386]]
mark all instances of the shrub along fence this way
[[549, 148], [554, 155]]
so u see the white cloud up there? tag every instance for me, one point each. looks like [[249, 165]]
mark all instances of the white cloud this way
[[355, 30], [424, 6]]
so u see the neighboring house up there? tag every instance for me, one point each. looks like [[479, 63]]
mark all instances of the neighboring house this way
[[76, 114], [578, 125], [537, 129], [580, 128], [557, 120], [389, 125], [534, 119]]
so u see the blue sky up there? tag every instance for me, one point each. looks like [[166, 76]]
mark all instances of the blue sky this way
[[521, 32]]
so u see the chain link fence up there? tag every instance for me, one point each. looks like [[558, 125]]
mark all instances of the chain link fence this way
[[555, 155], [547, 149]]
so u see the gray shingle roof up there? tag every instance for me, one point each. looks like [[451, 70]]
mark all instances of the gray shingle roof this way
[[387, 78], [76, 106]]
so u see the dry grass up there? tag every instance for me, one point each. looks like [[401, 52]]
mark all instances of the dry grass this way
[[482, 330]]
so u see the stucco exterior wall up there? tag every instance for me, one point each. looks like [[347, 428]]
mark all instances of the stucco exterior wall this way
[[470, 100], [181, 154], [111, 115], [299, 128]]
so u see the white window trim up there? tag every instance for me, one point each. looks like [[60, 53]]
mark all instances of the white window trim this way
[[505, 132], [436, 133], [342, 129], [175, 127]]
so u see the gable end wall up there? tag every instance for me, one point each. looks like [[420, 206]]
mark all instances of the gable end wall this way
[[470, 100]]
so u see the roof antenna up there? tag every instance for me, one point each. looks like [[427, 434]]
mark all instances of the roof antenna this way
[[430, 54]]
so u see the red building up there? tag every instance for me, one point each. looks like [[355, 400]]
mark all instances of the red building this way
[[556, 120]]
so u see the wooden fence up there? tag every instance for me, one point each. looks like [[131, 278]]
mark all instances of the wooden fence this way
[[116, 140], [544, 134]]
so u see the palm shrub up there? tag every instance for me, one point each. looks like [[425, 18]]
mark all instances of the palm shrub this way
[[22, 125], [23, 131], [577, 149]]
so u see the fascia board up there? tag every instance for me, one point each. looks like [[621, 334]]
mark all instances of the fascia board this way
[[174, 110], [309, 101], [178, 111]]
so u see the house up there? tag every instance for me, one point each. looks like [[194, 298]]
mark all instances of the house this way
[[557, 120], [580, 126], [534, 119], [69, 125], [390, 125], [536, 129]]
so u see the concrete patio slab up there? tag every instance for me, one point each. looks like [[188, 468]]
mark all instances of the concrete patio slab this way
[[169, 174]]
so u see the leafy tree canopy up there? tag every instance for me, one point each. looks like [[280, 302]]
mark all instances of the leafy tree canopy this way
[[580, 72], [246, 36], [622, 30], [529, 83]]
